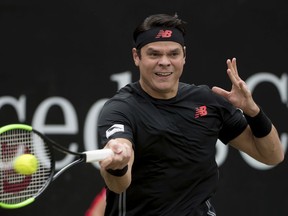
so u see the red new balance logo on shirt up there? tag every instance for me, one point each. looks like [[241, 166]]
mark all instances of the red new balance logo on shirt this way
[[201, 111], [164, 34]]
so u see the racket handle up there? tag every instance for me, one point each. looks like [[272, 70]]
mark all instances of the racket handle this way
[[97, 155]]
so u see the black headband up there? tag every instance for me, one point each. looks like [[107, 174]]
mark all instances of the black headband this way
[[159, 34]]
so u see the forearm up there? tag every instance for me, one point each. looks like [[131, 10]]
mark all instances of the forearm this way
[[265, 137], [260, 140], [117, 184], [116, 170], [269, 148]]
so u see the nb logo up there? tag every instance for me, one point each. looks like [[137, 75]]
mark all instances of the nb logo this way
[[164, 34], [201, 111]]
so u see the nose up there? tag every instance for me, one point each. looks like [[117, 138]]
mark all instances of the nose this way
[[164, 61]]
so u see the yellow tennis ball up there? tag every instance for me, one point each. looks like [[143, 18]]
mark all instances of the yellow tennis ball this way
[[25, 164]]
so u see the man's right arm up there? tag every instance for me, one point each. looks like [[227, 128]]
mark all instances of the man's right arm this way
[[116, 169]]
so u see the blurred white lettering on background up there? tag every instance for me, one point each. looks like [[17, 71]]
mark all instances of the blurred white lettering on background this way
[[71, 127]]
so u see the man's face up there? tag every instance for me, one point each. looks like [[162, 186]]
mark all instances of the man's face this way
[[161, 65]]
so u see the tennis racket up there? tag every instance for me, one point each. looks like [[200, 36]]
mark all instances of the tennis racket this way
[[17, 190]]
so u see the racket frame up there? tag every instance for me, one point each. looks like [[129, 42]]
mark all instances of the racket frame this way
[[88, 157], [52, 161]]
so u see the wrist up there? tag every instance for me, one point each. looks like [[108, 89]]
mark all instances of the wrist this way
[[118, 172], [260, 124], [252, 112]]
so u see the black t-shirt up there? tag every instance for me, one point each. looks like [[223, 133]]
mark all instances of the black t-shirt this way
[[174, 170]]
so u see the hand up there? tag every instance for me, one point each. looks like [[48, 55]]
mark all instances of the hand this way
[[122, 153], [240, 96]]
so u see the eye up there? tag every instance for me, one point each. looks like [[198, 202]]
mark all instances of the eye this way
[[174, 54], [153, 54]]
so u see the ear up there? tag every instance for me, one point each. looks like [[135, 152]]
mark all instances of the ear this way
[[135, 57], [184, 52]]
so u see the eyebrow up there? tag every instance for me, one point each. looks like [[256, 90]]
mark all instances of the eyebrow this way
[[151, 49]]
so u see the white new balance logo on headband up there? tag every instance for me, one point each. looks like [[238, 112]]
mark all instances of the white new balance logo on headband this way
[[113, 129], [164, 34]]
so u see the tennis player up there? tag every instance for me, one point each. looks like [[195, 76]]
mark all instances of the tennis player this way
[[163, 132]]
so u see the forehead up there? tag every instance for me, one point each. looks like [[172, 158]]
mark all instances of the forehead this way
[[162, 46]]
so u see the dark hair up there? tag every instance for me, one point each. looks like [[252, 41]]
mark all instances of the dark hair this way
[[160, 20]]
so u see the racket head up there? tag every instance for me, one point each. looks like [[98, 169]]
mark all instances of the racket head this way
[[17, 190]]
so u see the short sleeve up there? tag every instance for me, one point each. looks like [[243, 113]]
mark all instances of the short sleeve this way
[[232, 126], [114, 122]]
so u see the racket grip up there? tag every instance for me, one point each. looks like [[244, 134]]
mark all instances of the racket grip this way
[[97, 155]]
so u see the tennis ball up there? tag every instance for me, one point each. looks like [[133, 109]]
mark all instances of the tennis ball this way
[[25, 164]]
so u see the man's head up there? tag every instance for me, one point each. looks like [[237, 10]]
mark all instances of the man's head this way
[[159, 27], [159, 53]]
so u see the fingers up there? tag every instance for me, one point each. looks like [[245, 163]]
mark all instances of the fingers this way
[[232, 72], [232, 65], [122, 154], [220, 91]]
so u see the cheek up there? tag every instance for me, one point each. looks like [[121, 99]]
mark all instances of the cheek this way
[[179, 65], [146, 65]]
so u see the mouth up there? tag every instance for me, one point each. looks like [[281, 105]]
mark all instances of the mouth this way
[[163, 74]]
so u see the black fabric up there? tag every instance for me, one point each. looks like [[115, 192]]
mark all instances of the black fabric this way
[[174, 170], [159, 34], [260, 124], [118, 172]]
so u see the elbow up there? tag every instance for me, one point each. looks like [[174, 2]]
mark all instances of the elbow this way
[[280, 159], [276, 160]]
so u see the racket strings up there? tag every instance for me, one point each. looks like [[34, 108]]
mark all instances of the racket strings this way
[[14, 187]]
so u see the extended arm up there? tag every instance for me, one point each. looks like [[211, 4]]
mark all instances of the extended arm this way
[[116, 170], [262, 142]]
